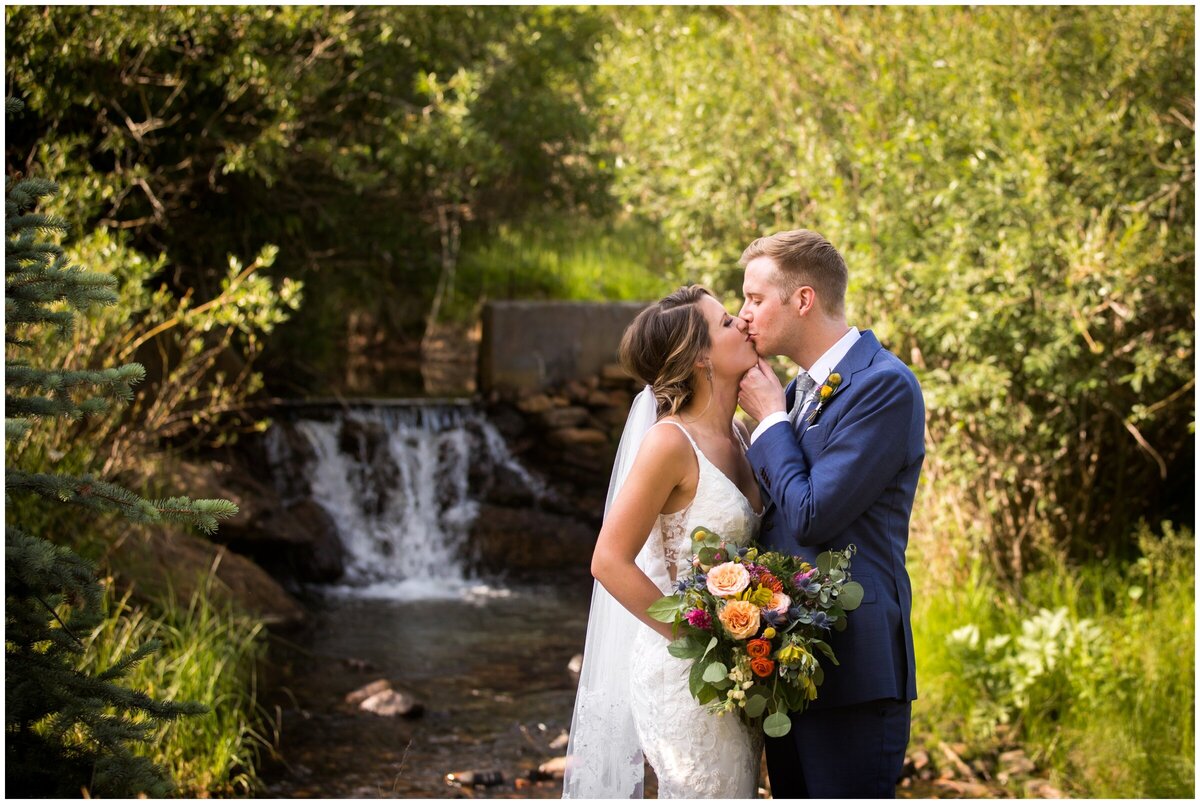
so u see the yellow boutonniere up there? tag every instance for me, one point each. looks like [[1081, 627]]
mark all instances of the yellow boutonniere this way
[[825, 393]]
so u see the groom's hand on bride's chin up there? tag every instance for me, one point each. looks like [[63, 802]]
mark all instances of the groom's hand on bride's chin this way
[[760, 393]]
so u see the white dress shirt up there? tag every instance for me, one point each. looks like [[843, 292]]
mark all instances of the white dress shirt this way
[[820, 371]]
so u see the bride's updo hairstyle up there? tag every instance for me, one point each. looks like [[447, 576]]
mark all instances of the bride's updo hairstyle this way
[[661, 346]]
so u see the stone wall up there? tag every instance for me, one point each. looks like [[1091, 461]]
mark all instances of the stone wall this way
[[529, 346], [568, 433]]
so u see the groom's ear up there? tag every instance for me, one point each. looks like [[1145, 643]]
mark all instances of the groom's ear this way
[[804, 299]]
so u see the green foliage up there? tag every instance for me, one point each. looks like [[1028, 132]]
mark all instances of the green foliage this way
[[365, 141], [552, 258], [1013, 190], [206, 654], [66, 732], [1090, 667]]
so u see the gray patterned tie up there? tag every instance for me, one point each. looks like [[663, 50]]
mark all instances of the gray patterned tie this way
[[804, 386]]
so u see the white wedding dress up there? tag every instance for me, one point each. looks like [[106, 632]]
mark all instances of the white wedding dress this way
[[633, 697], [694, 752]]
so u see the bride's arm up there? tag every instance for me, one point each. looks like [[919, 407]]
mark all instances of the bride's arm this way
[[660, 467]]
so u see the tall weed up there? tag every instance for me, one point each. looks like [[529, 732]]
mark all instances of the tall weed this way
[[208, 656]]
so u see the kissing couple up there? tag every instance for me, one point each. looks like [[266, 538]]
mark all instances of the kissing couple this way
[[833, 461]]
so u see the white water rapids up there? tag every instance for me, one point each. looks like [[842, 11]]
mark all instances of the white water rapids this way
[[396, 481]]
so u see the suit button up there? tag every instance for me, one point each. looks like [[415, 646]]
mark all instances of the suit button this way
[[763, 474]]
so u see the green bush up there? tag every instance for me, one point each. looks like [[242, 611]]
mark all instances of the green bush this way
[[1090, 668], [1014, 192]]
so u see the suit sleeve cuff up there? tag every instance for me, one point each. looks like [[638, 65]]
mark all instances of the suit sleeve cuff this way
[[767, 423]]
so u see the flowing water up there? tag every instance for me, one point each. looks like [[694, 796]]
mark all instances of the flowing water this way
[[487, 659]]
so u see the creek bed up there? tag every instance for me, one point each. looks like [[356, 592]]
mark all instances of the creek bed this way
[[489, 665]]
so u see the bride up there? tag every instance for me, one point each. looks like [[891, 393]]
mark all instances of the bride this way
[[681, 464]]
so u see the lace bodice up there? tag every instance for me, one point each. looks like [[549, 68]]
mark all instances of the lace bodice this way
[[718, 505]]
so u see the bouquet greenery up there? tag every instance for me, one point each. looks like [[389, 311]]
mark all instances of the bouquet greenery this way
[[752, 624]]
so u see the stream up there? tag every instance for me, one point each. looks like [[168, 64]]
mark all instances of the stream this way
[[489, 667], [486, 658]]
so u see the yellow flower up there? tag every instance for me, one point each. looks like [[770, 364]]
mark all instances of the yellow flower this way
[[790, 655], [760, 597], [826, 392], [769, 633], [834, 379]]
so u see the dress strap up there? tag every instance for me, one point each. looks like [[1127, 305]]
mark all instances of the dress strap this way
[[737, 431], [691, 440]]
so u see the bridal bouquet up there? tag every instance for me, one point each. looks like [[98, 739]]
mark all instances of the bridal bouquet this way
[[752, 623]]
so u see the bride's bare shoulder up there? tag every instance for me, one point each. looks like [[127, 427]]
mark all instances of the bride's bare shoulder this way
[[666, 444]]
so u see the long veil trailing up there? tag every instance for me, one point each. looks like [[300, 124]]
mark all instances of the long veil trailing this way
[[604, 759]]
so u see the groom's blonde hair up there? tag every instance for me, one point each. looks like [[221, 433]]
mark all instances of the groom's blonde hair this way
[[803, 257]]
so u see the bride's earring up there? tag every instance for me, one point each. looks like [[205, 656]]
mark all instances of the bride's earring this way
[[708, 370]]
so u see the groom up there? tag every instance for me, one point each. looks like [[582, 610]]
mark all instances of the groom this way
[[836, 470]]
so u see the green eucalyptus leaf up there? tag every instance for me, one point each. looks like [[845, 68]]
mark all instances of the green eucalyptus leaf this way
[[825, 562], [851, 595], [755, 704], [715, 672], [777, 725], [666, 608]]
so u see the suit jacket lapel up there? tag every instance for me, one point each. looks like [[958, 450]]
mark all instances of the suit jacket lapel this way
[[861, 355]]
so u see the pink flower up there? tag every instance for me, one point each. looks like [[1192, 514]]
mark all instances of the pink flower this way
[[780, 603], [801, 579], [726, 580], [699, 618]]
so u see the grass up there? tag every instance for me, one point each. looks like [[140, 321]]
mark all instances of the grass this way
[[208, 656], [578, 259], [1091, 669]]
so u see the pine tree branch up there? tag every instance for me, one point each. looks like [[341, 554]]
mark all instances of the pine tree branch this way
[[54, 613]]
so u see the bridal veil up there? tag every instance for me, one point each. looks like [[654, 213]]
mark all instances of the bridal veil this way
[[604, 759]]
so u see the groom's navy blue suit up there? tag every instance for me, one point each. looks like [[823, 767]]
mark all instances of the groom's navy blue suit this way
[[848, 476]]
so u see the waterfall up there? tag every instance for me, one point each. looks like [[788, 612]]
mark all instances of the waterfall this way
[[401, 484]]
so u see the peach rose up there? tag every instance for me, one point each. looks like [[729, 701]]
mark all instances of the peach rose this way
[[726, 580], [780, 603], [740, 618]]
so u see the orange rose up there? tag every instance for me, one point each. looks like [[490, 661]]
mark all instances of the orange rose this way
[[740, 618], [762, 667], [758, 648]]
